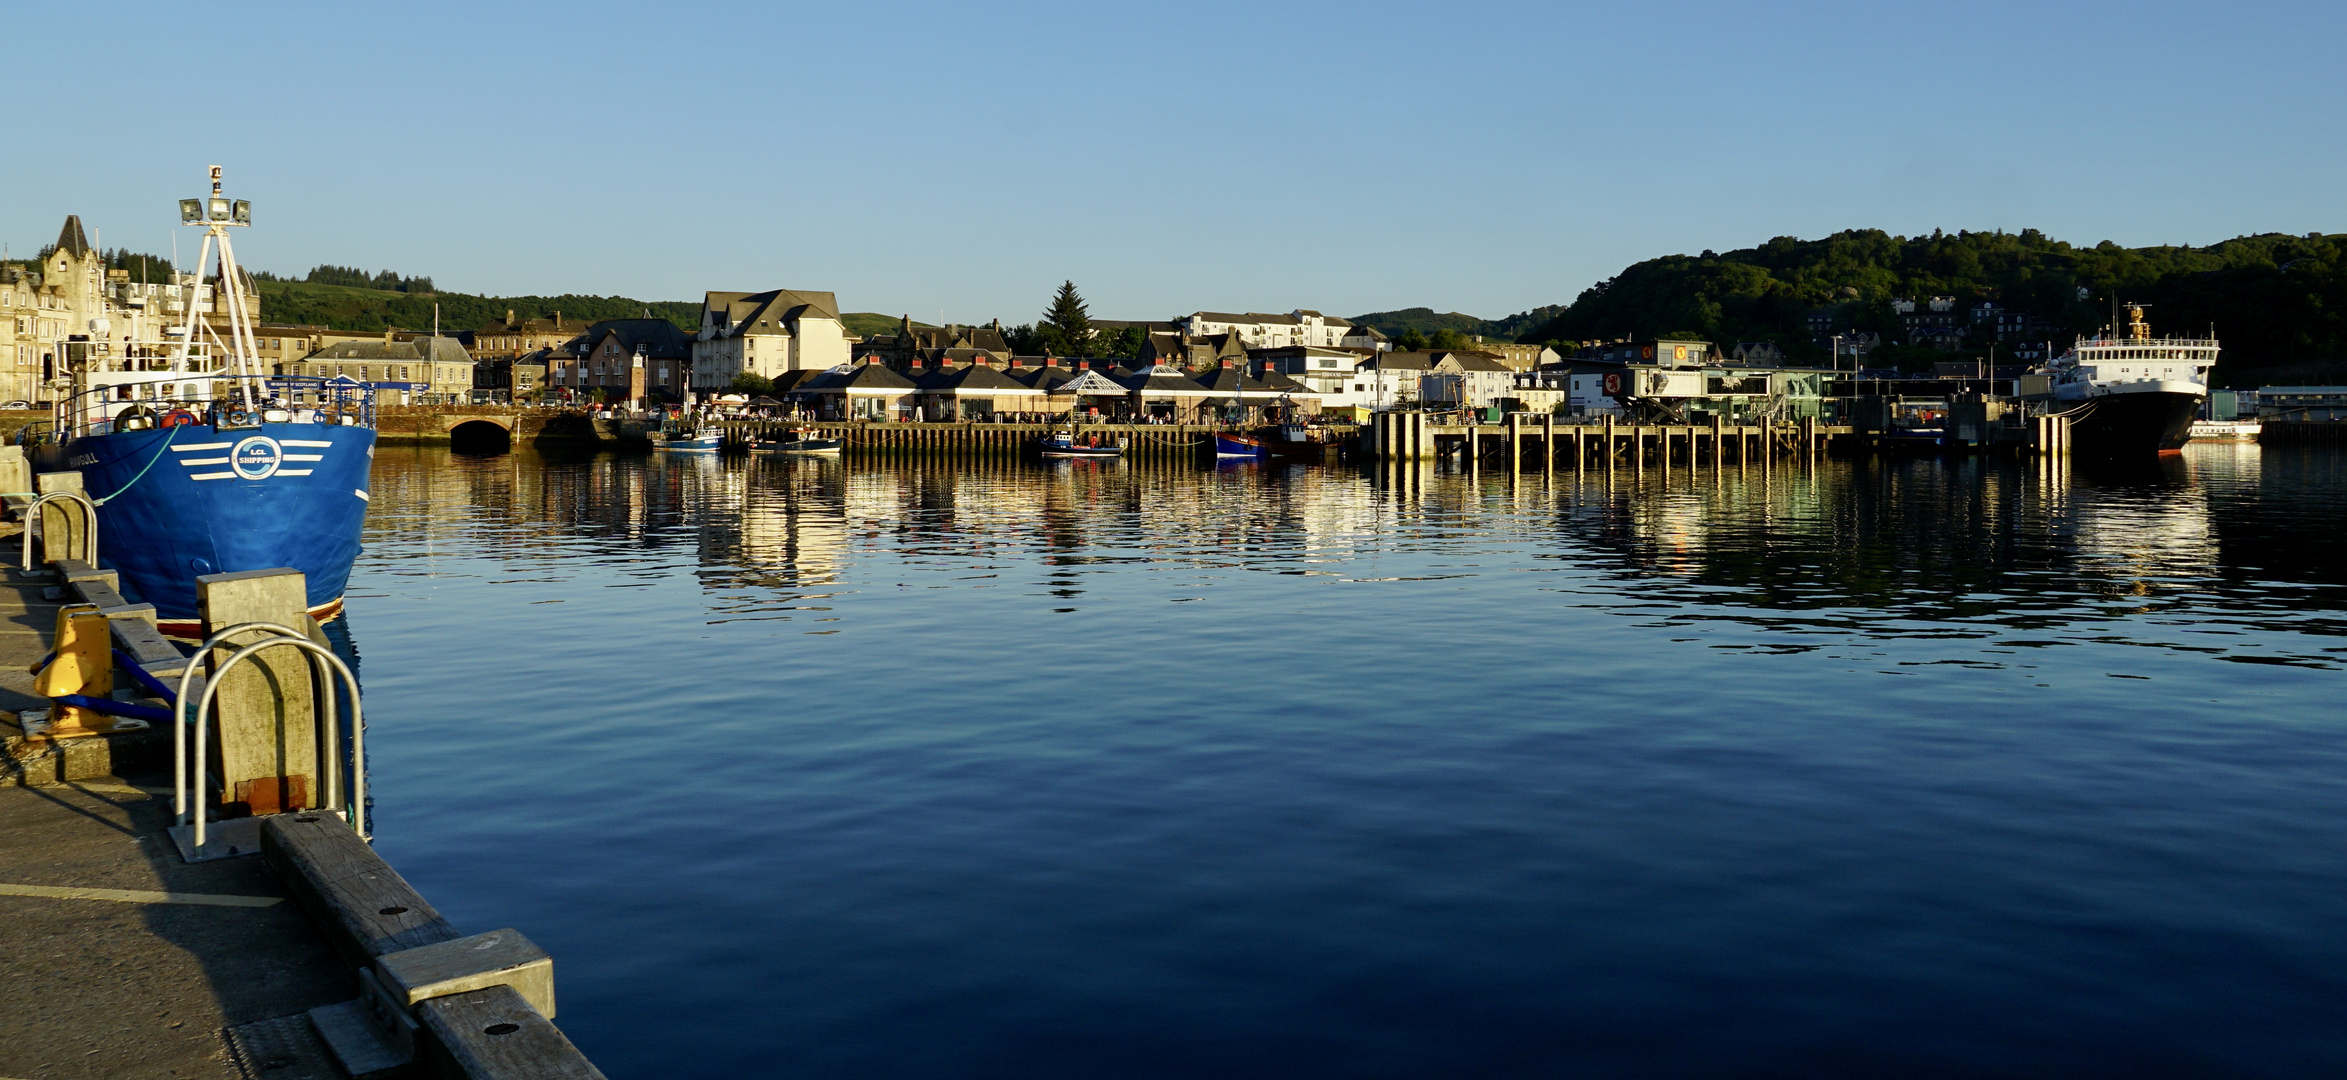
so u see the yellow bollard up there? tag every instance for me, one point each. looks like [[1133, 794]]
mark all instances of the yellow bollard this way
[[84, 665]]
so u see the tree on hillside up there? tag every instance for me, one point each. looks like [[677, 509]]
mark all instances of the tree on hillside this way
[[1447, 338], [1067, 326], [1410, 341]]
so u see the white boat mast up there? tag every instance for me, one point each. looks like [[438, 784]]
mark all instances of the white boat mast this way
[[215, 215]]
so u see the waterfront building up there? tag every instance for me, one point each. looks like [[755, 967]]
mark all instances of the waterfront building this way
[[1194, 352], [629, 359], [2300, 402], [73, 296], [514, 337], [424, 371], [1331, 375], [1666, 351], [974, 392], [766, 333], [865, 391], [1365, 337], [1517, 356], [1299, 327], [1465, 380], [935, 344]]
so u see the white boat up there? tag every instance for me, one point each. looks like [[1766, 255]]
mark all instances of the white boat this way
[[2217, 430], [2134, 395], [802, 441]]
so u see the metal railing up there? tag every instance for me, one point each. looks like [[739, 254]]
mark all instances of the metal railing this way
[[32, 514], [188, 771]]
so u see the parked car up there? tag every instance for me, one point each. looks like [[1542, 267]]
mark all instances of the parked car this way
[[17, 405]]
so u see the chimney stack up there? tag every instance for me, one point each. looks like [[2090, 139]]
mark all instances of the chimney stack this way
[[509, 318]]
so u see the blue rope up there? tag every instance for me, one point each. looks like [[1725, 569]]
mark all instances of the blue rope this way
[[167, 439]]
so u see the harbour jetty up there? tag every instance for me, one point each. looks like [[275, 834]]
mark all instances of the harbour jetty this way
[[262, 938]]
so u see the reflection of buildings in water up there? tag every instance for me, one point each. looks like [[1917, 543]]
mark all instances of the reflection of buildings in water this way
[[2146, 530], [793, 530]]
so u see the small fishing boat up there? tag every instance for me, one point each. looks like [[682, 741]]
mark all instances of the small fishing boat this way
[[801, 441], [692, 440], [1231, 444], [1066, 444]]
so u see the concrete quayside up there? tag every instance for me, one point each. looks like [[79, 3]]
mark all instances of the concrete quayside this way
[[186, 884]]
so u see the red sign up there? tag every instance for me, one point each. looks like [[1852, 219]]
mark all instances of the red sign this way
[[1613, 384]]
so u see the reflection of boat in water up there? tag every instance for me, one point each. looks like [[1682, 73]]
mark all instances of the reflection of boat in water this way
[[802, 442], [1067, 444], [2132, 395], [200, 463]]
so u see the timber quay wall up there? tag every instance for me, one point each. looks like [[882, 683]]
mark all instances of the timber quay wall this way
[[2303, 432], [1141, 442]]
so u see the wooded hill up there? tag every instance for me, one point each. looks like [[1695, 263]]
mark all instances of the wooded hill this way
[[343, 307], [1426, 321], [2276, 301]]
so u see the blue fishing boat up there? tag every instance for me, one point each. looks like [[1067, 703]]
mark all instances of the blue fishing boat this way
[[199, 463], [1231, 444], [690, 441]]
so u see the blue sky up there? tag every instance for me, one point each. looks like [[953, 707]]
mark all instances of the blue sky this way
[[961, 160]]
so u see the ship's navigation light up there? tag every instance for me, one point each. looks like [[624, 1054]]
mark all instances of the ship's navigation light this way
[[217, 209], [244, 211], [191, 211]]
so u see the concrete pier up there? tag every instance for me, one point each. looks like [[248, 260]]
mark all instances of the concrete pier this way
[[307, 959]]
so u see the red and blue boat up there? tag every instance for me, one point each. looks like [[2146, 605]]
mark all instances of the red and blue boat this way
[[1231, 444]]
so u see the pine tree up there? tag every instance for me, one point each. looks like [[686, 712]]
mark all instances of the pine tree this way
[[1067, 327]]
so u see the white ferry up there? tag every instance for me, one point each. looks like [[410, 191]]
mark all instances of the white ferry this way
[[2132, 395]]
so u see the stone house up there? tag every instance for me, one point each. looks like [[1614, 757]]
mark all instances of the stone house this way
[[766, 333]]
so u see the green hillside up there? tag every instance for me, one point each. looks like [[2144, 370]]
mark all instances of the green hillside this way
[[2275, 300], [1426, 321], [866, 323], [343, 307]]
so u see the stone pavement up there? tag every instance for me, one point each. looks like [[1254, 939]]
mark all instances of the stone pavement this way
[[116, 958]]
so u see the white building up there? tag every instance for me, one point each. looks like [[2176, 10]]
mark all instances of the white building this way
[[766, 333], [1261, 331], [1329, 373]]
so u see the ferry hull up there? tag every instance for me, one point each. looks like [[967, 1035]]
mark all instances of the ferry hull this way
[[185, 501], [2124, 425]]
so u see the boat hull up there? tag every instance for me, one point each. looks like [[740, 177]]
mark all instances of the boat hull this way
[[2123, 425], [176, 503], [1237, 446]]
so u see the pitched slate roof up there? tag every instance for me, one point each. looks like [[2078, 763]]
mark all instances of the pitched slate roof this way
[[975, 379], [368, 350], [1045, 378], [1163, 381], [70, 238], [769, 310], [661, 339], [786, 381], [868, 377]]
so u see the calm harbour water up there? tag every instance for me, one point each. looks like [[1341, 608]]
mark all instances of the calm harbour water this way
[[989, 770]]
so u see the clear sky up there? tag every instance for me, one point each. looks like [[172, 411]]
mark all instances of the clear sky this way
[[954, 159]]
